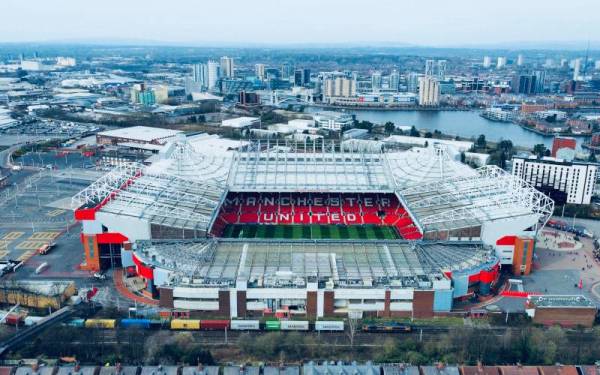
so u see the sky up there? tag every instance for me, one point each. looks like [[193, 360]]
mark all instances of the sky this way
[[437, 23]]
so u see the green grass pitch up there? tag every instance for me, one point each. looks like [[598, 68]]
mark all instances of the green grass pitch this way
[[311, 232]]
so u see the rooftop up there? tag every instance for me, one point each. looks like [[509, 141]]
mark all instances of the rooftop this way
[[141, 133], [467, 201], [294, 263], [561, 301], [269, 166]]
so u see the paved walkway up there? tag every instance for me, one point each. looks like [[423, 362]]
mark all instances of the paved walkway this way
[[123, 291]]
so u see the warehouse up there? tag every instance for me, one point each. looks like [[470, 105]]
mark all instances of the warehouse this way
[[567, 311], [136, 134]]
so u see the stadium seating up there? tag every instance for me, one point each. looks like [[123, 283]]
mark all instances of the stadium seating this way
[[316, 208]]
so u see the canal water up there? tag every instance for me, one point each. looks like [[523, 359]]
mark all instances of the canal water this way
[[468, 124]]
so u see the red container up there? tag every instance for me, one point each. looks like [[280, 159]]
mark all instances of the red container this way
[[209, 325], [13, 320]]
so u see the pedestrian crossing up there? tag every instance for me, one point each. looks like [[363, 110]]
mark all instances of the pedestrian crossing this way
[[12, 236], [48, 236]]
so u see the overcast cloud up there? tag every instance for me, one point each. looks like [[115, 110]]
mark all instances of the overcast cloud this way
[[433, 22]]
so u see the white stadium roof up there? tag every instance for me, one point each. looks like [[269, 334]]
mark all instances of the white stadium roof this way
[[184, 188], [281, 263], [466, 201]]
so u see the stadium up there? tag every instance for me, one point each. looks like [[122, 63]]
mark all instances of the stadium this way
[[314, 229]]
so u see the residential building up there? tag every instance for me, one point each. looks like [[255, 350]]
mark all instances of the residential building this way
[[429, 67], [563, 181], [376, 81], [227, 68], [339, 86], [520, 60], [200, 75], [487, 61], [441, 69], [394, 80], [214, 73], [501, 62], [429, 92], [259, 71]]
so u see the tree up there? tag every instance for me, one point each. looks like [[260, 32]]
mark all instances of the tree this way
[[428, 135], [463, 157], [414, 132], [481, 142], [539, 149], [389, 127], [592, 158]]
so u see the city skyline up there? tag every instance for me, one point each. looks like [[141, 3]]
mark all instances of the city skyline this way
[[460, 24]]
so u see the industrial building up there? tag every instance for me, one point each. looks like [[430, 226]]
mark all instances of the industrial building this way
[[136, 134], [311, 228], [567, 311]]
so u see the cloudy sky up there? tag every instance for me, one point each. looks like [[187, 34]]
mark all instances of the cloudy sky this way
[[420, 22]]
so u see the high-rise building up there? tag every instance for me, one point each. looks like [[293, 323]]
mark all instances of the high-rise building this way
[[339, 87], [214, 73], [298, 80], [429, 91], [487, 61], [259, 71], [429, 66], [305, 76], [227, 67], [287, 70], [576, 70], [412, 82], [376, 81], [540, 80], [501, 62], [441, 69], [520, 60], [200, 74], [394, 80], [529, 83]]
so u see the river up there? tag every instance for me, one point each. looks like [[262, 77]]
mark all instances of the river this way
[[468, 124]]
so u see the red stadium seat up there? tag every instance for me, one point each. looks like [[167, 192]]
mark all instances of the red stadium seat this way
[[229, 217], [370, 218]]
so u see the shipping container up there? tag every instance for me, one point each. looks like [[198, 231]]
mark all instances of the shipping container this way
[[294, 325], [14, 319], [245, 325], [32, 320], [329, 325], [209, 325], [76, 323], [101, 323], [272, 325], [188, 324], [135, 323]]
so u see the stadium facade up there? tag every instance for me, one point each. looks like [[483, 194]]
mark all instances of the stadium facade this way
[[319, 229]]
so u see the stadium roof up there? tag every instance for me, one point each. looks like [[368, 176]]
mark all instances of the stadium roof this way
[[346, 263], [422, 165], [461, 202], [163, 199], [185, 186], [271, 166]]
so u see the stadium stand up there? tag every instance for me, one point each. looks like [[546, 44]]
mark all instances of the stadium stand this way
[[316, 208]]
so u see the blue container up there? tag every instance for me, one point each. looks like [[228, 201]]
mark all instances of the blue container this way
[[135, 323], [76, 322]]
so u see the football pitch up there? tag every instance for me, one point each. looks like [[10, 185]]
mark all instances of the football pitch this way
[[311, 232]]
